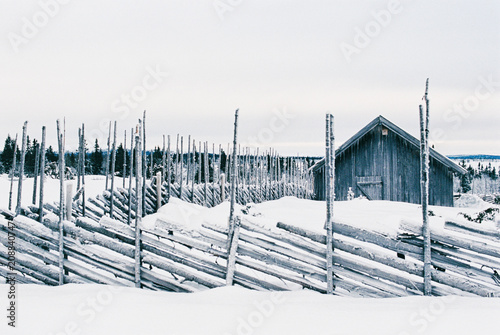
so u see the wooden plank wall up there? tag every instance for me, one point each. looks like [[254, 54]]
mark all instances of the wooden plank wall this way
[[396, 161]]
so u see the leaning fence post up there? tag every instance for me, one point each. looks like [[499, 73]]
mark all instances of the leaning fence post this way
[[113, 167], [60, 140], [222, 187], [12, 172], [233, 173], [42, 176], [21, 169], [158, 190], [233, 247], [330, 196], [424, 186], [35, 177], [107, 155], [138, 211], [69, 201]]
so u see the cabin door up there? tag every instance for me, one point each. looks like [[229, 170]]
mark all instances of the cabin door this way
[[370, 187]]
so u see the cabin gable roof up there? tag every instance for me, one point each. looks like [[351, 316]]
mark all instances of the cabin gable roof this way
[[380, 120]]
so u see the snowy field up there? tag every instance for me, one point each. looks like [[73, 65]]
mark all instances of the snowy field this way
[[98, 309], [95, 309]]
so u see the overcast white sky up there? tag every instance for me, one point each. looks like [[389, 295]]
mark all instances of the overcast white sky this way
[[84, 58]]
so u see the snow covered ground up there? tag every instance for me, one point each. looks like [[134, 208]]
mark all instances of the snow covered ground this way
[[98, 309], [94, 185]]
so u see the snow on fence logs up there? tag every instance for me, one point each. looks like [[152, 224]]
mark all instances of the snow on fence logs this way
[[285, 257]]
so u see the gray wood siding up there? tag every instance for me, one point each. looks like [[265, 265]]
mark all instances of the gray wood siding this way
[[396, 161]]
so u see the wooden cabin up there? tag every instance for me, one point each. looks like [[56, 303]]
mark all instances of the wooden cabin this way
[[382, 162]]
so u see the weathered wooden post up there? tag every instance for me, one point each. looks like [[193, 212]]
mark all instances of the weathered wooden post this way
[[42, 176], [181, 167], [222, 187], [107, 155], [21, 169], [158, 190], [124, 158], [144, 159], [188, 162], [177, 160], [79, 164], [233, 179], [69, 201], [330, 196], [84, 156], [163, 161], [60, 140], [226, 167], [205, 174], [138, 211], [199, 162], [130, 176], [424, 187], [169, 176], [12, 172], [35, 177], [214, 176], [113, 167], [233, 247], [194, 171]]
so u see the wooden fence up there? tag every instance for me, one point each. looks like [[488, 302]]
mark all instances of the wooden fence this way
[[175, 258]]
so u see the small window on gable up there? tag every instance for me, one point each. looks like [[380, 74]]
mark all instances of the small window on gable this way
[[385, 131]]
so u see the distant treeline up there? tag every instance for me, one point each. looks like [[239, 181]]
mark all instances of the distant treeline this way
[[474, 157], [487, 173], [95, 159]]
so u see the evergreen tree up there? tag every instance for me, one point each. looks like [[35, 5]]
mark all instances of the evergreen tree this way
[[30, 159], [223, 159], [119, 160], [50, 155], [465, 182], [71, 160], [7, 154], [96, 159]]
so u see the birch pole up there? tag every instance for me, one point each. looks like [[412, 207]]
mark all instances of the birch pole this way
[[226, 166], [35, 179], [79, 165], [84, 156], [60, 141], [177, 160], [205, 195], [233, 180], [124, 158], [158, 190], [169, 176], [188, 163], [138, 211], [213, 175], [144, 157], [181, 167], [42, 176], [163, 162], [21, 169], [330, 196], [194, 170], [113, 166], [131, 173], [424, 186], [13, 172], [107, 155], [199, 162]]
